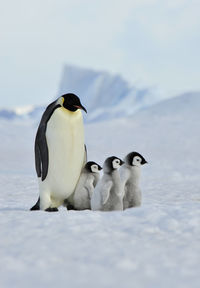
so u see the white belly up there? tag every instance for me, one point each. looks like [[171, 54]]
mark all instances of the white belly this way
[[65, 140]]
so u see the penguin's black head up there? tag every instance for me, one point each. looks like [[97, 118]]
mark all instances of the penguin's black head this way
[[135, 159], [92, 167], [112, 163], [71, 102]]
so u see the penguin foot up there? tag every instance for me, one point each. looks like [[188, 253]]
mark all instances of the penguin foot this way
[[51, 209], [70, 207]]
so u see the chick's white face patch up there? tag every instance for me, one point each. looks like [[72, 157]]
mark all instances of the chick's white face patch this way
[[94, 168], [116, 163], [137, 161]]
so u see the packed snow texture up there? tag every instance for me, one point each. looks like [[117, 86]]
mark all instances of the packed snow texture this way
[[155, 245]]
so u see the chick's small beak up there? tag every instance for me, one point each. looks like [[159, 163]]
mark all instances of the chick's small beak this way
[[100, 168], [80, 107]]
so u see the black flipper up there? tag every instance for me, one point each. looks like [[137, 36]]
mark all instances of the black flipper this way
[[37, 159], [36, 206], [41, 148]]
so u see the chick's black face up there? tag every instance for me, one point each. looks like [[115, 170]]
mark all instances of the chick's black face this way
[[72, 102]]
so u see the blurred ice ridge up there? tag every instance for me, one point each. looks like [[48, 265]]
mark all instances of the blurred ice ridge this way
[[105, 96]]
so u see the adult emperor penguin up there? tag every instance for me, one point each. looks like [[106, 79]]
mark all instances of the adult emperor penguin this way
[[86, 184], [108, 194], [60, 152], [130, 176]]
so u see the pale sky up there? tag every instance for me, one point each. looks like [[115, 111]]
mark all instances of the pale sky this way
[[152, 43]]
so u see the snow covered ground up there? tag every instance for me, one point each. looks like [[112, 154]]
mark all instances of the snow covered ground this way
[[156, 245]]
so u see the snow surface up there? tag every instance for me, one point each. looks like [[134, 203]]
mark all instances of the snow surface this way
[[156, 245]]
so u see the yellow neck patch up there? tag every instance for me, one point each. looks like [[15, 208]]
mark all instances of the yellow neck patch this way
[[61, 101]]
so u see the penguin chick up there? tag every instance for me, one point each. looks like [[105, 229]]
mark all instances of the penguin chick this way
[[85, 187], [108, 194], [130, 176]]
